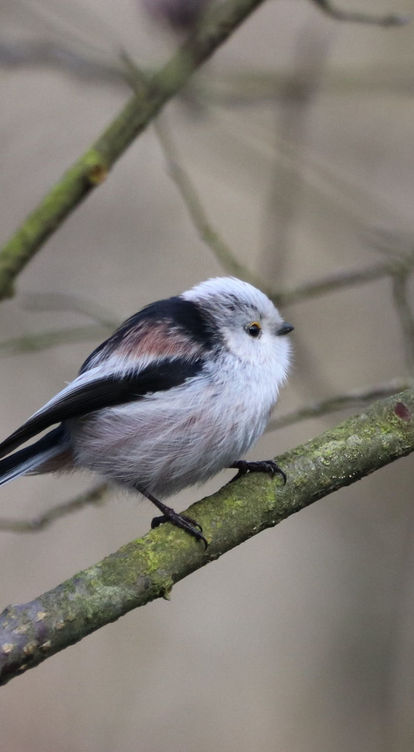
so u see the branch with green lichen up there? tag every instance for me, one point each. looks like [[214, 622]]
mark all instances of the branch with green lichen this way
[[147, 568], [354, 398], [88, 172], [92, 168]]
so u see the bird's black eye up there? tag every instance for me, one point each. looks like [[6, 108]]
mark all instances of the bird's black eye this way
[[254, 329]]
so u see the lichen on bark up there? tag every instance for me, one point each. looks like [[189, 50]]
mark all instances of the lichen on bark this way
[[147, 568]]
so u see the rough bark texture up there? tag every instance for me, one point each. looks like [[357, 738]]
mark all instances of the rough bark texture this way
[[148, 568]]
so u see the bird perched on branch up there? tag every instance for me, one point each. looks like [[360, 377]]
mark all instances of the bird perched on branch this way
[[181, 390]]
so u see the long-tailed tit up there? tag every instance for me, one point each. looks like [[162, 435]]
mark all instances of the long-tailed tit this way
[[180, 391]]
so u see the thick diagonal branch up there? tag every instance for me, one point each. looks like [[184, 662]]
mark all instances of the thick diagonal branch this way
[[148, 568]]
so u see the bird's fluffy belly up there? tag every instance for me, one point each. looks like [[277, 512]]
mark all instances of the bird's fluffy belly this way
[[163, 444]]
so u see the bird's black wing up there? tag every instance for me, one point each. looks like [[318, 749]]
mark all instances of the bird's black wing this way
[[85, 395], [166, 325]]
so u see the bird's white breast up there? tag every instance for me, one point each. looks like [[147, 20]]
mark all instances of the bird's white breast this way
[[181, 436]]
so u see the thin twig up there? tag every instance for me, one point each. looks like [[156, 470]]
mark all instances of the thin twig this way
[[208, 234], [327, 183], [59, 57], [401, 296], [292, 118], [62, 301], [38, 341], [339, 280], [354, 398], [227, 258], [93, 496], [92, 168], [260, 85], [397, 244], [391, 19]]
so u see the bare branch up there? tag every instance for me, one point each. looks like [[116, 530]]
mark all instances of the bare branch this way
[[255, 86], [227, 258], [92, 168], [45, 340], [93, 496], [341, 279], [405, 314], [391, 19], [208, 234], [399, 245], [63, 301], [399, 263], [46, 54], [148, 568]]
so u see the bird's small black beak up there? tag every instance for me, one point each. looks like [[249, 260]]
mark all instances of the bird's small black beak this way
[[285, 329]]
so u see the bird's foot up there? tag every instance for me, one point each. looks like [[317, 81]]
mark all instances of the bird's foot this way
[[170, 515], [180, 520], [261, 466]]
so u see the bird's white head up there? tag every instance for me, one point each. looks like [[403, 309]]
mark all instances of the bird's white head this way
[[250, 325]]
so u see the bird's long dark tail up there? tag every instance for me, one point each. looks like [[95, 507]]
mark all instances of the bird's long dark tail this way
[[42, 456]]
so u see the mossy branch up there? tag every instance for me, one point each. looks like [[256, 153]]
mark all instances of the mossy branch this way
[[147, 568], [91, 169]]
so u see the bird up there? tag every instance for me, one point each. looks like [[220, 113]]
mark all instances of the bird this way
[[181, 390]]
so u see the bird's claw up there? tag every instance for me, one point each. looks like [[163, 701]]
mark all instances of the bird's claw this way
[[261, 466], [182, 521]]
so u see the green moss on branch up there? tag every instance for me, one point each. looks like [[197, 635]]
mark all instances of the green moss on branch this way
[[148, 568], [91, 169]]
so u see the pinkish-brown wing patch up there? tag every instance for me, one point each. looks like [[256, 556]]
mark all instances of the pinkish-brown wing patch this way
[[157, 341]]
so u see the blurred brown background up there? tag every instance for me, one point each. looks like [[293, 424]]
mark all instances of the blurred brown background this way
[[299, 139]]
